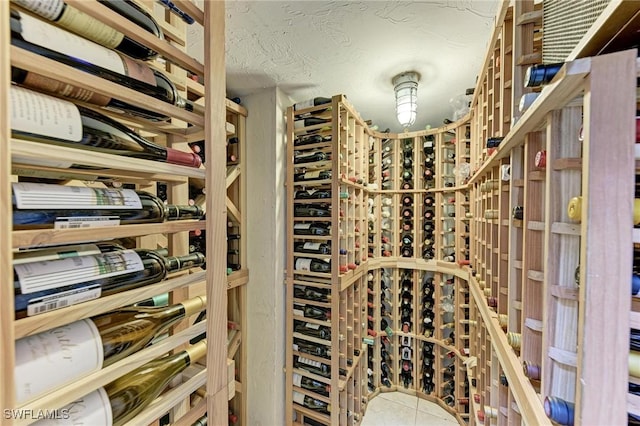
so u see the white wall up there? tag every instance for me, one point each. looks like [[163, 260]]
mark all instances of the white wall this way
[[265, 218]]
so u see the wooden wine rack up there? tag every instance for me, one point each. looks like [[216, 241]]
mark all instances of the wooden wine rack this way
[[206, 388], [513, 295]]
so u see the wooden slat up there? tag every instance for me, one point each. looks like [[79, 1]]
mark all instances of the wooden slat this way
[[214, 81], [608, 214], [26, 152], [192, 10], [49, 320], [45, 237], [7, 345]]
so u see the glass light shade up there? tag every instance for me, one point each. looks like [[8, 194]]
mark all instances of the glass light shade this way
[[405, 86]]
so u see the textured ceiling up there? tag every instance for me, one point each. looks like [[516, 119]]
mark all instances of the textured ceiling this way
[[322, 48]]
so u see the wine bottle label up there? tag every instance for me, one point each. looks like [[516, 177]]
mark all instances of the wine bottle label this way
[[303, 264], [39, 114], [45, 84], [86, 222], [312, 246], [310, 362], [55, 253], [302, 226], [49, 9], [312, 326], [298, 310], [298, 397], [91, 28], [43, 196], [297, 379], [92, 409], [41, 276], [41, 305], [52, 358], [42, 34], [312, 175]]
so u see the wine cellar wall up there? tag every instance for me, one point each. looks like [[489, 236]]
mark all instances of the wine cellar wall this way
[[459, 264], [167, 168]]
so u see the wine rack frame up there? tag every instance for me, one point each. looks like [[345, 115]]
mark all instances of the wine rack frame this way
[[210, 127], [520, 279]]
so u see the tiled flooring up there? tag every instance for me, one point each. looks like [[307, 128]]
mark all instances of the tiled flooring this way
[[399, 409]]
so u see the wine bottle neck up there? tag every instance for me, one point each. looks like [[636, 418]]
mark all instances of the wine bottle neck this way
[[197, 351], [175, 212], [178, 263]]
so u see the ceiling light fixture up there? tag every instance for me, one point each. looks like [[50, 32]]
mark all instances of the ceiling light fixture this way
[[405, 85]]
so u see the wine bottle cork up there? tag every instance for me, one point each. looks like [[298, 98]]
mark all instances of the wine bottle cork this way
[[514, 340], [574, 209], [634, 364], [192, 306]]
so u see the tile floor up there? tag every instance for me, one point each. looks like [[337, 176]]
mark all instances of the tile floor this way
[[399, 409]]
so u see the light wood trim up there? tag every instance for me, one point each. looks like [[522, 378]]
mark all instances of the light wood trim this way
[[39, 323], [26, 152], [122, 24], [214, 76], [43, 237], [237, 108], [88, 383], [608, 214], [31, 62], [169, 399], [237, 279], [522, 390], [7, 344]]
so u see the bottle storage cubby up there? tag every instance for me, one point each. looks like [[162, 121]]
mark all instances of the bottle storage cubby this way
[[144, 148]]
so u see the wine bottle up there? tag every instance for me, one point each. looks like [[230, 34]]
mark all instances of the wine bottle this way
[[43, 286], [303, 346], [301, 158], [312, 265], [310, 121], [559, 410], [317, 228], [121, 400], [538, 75], [71, 19], [309, 247], [312, 329], [61, 355], [310, 384], [312, 175], [62, 46], [43, 118], [311, 403], [311, 210], [311, 194], [313, 312], [311, 102], [39, 205], [311, 139], [311, 293]]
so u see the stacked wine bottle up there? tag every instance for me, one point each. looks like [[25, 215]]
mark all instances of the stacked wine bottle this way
[[428, 199]]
